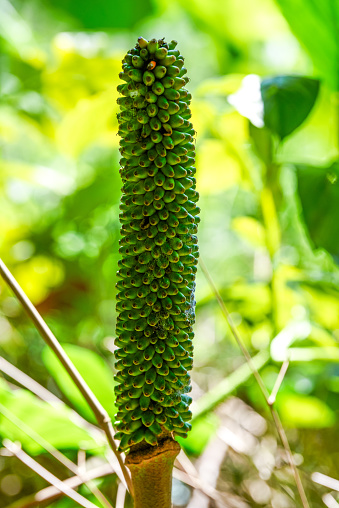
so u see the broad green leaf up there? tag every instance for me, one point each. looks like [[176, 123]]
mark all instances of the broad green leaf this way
[[203, 429], [93, 369], [316, 24], [288, 101], [304, 411], [319, 195], [55, 424]]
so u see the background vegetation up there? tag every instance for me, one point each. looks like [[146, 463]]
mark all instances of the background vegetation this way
[[267, 172]]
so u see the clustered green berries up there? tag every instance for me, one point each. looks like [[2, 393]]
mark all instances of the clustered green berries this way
[[158, 246]]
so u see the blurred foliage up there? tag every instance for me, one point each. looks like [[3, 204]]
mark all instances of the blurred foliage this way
[[268, 235]]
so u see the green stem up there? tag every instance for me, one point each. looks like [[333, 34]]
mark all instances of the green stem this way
[[151, 471], [270, 197]]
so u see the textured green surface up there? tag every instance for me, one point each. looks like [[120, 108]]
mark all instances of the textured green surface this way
[[158, 245]]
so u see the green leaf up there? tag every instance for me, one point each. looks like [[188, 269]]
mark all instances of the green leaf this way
[[55, 424], [316, 24], [93, 369], [319, 195], [288, 101], [304, 411], [203, 429]]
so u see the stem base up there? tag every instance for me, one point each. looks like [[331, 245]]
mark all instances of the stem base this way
[[151, 471]]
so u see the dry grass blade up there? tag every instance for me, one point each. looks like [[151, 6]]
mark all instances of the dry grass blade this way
[[121, 496], [325, 481], [197, 483], [46, 475], [209, 464], [60, 457], [50, 494], [263, 389], [100, 413], [41, 392], [329, 501], [229, 384]]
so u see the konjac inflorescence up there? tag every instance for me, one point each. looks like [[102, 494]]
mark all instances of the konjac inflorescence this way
[[158, 246]]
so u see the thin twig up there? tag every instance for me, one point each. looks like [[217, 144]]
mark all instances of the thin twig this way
[[121, 496], [329, 501], [46, 475], [186, 472], [326, 481], [229, 384], [81, 470], [50, 494], [40, 391], [209, 464], [60, 457], [196, 483], [263, 389], [278, 382], [234, 330], [100, 413]]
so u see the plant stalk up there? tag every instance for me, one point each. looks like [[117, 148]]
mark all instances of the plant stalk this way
[[151, 471]]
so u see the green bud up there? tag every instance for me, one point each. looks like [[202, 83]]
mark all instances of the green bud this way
[[163, 116], [163, 103], [158, 88], [135, 75], [160, 71], [155, 123], [168, 82], [148, 78], [144, 54], [171, 94], [137, 62], [151, 97], [150, 438], [173, 71], [142, 42], [161, 53], [168, 60], [152, 110], [152, 46]]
